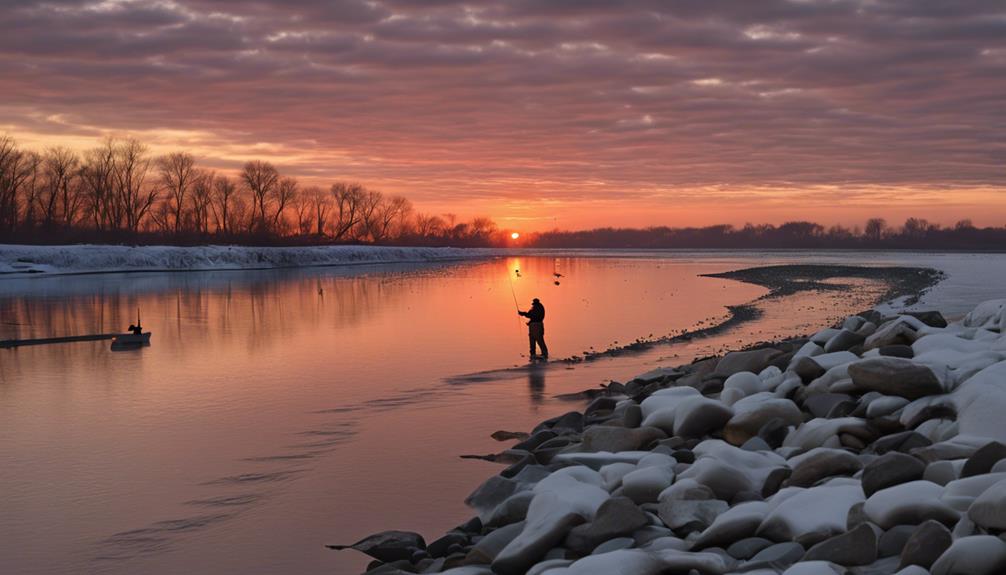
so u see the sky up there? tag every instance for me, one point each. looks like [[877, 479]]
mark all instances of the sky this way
[[543, 114]]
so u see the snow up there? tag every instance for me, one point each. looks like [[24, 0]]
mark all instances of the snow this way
[[18, 260]]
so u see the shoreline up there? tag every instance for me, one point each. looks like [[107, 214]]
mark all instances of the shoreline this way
[[671, 448]]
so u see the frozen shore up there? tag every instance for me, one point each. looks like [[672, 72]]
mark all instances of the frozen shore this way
[[22, 260], [875, 446]]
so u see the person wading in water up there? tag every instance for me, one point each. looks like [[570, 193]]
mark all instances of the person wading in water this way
[[536, 327]]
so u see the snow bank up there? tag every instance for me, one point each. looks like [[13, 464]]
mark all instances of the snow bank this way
[[17, 260]]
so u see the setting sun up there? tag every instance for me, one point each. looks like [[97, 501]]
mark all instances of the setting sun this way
[[514, 235]]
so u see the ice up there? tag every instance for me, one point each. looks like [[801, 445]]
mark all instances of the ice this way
[[18, 260]]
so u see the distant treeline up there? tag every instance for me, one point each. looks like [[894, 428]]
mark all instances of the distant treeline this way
[[915, 233], [119, 192]]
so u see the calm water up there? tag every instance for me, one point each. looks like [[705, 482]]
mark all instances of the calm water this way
[[279, 411]]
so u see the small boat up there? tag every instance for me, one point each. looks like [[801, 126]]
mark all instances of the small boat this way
[[132, 339]]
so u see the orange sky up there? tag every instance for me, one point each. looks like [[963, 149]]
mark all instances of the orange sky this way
[[568, 115]]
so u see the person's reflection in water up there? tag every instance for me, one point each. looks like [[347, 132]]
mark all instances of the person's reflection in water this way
[[536, 383]]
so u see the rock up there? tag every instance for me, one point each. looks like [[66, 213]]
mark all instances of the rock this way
[[615, 544], [843, 340], [890, 469], [687, 489], [620, 562], [810, 515], [911, 503], [904, 441], [441, 547], [983, 459], [814, 568], [822, 404], [541, 533], [976, 555], [856, 547], [387, 546], [614, 439], [892, 542], [819, 463], [989, 509], [896, 332], [747, 548], [489, 546], [926, 544], [930, 318], [778, 556], [756, 444], [645, 484], [895, 376], [701, 417], [897, 350], [738, 522], [544, 566], [508, 435], [690, 515], [774, 432], [940, 472], [856, 516], [632, 416], [615, 517], [753, 361], [490, 494], [753, 412], [807, 369], [512, 510]]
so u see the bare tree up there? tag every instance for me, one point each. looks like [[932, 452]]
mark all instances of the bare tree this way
[[304, 209], [133, 197], [17, 168], [178, 174], [98, 181], [60, 199], [388, 217], [320, 206], [202, 200], [348, 199], [224, 195], [261, 179], [875, 228], [286, 194], [370, 208], [429, 226]]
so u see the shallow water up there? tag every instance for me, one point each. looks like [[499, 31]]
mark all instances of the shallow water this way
[[279, 411]]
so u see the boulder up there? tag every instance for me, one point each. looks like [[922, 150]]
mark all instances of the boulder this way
[[892, 468], [926, 544], [931, 318], [387, 546], [615, 517], [895, 376], [780, 555], [748, 547], [614, 439], [892, 542], [753, 360], [856, 547], [487, 548], [843, 340], [983, 459], [819, 463], [689, 514], [975, 555], [989, 509], [753, 412], [912, 502], [645, 484]]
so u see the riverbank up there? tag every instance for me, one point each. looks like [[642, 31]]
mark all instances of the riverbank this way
[[868, 447]]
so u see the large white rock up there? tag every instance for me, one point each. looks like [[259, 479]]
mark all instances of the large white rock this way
[[975, 555], [728, 470], [823, 432], [813, 514], [989, 314], [738, 522], [961, 493], [644, 485], [908, 503], [989, 509], [981, 403], [622, 562]]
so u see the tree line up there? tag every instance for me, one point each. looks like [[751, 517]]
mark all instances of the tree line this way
[[877, 233], [119, 191]]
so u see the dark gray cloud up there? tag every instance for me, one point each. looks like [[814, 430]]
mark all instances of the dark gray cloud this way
[[571, 99]]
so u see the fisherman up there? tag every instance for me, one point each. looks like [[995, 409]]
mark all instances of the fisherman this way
[[536, 327], [135, 329]]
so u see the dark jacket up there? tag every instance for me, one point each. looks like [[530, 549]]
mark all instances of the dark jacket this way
[[536, 314]]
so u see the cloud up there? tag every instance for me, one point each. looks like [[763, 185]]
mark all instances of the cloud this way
[[454, 102]]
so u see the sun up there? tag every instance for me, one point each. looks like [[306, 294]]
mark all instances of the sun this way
[[514, 235]]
